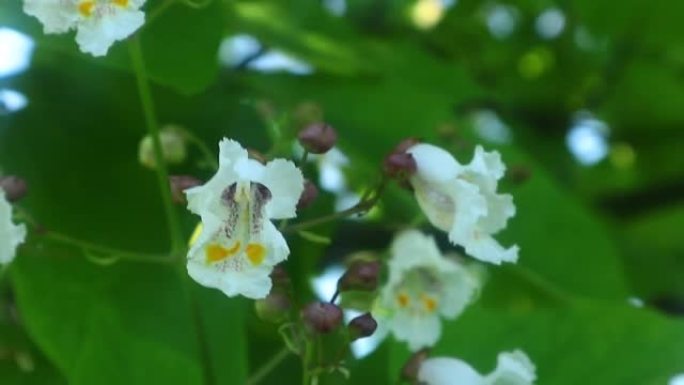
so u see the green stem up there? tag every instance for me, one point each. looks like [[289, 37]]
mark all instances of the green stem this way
[[175, 232], [306, 362], [206, 152], [367, 202], [268, 367], [123, 254]]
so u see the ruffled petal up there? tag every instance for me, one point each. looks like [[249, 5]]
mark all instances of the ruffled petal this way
[[107, 24], [448, 371], [460, 289], [418, 331], [433, 163], [513, 368], [286, 183], [485, 248], [57, 16], [412, 248]]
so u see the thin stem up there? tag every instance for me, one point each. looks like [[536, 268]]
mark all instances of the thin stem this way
[[334, 297], [175, 232], [155, 13], [123, 254], [367, 202], [305, 156], [209, 157], [306, 362], [268, 367]]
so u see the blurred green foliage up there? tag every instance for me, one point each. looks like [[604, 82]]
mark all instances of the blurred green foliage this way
[[590, 237]]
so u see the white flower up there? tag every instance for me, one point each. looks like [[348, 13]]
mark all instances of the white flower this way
[[238, 245], [422, 287], [462, 199], [99, 23], [513, 368], [11, 235]]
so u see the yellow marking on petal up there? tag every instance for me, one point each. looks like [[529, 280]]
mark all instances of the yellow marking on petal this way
[[403, 299], [256, 253], [85, 8], [195, 234], [430, 303], [120, 3], [217, 253]]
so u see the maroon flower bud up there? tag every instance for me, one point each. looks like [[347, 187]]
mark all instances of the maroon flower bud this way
[[318, 138], [180, 183], [274, 308], [322, 317], [309, 195], [15, 188], [399, 165], [410, 370], [519, 174], [361, 275], [362, 326]]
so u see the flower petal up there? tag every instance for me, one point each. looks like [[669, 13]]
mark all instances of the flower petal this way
[[286, 183], [57, 16], [460, 288], [11, 235], [513, 368], [418, 331], [485, 248], [434, 164], [412, 248], [448, 371], [108, 24]]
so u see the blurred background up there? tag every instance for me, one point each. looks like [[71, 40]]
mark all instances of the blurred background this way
[[584, 99]]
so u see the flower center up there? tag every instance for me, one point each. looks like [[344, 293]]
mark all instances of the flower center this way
[[239, 241], [121, 3], [85, 8], [419, 292]]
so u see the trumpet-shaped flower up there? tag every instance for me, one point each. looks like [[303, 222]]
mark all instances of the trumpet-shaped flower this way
[[238, 245], [462, 199], [11, 235], [422, 287], [98, 23], [513, 368]]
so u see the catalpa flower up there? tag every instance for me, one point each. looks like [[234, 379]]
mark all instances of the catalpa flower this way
[[11, 235], [422, 287], [513, 368], [238, 245], [98, 23], [462, 199]]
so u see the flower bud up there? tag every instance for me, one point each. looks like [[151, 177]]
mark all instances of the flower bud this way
[[309, 195], [322, 317], [180, 183], [274, 308], [15, 188], [362, 326], [318, 138], [361, 275], [410, 370], [399, 165], [172, 146]]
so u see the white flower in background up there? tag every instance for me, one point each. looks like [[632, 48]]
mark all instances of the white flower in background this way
[[98, 23], [11, 235], [238, 245], [513, 368], [422, 287], [462, 199]]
